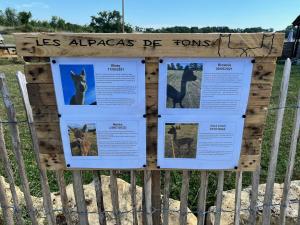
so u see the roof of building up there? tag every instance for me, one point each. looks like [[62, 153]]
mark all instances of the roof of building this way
[[296, 21]]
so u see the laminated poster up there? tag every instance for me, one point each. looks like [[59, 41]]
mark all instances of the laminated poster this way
[[202, 103], [101, 102]]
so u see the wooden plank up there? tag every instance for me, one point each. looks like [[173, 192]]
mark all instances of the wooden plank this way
[[249, 162], [166, 195], [16, 143], [201, 206], [218, 212], [7, 211], [133, 197], [47, 202], [10, 177], [138, 45], [115, 196], [63, 195], [99, 197], [53, 161], [38, 73], [275, 144], [79, 198], [41, 94], [238, 192], [290, 166], [45, 114], [184, 197], [147, 200]]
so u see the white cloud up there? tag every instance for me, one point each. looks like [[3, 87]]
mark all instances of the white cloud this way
[[30, 5]]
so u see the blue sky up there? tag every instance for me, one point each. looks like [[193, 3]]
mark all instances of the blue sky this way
[[275, 14], [68, 84]]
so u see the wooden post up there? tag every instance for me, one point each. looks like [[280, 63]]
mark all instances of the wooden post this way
[[166, 196], [47, 203], [219, 198], [275, 144], [184, 197], [6, 210], [254, 195], [147, 192], [115, 196], [63, 195], [10, 177], [202, 198], [290, 165], [11, 114], [133, 197], [79, 197], [99, 197], [238, 192]]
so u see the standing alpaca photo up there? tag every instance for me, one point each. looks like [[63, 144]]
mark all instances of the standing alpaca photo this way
[[181, 140], [78, 84], [83, 140], [183, 88], [80, 88]]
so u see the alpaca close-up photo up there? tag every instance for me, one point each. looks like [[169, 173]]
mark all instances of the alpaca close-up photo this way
[[83, 140], [78, 84], [183, 85]]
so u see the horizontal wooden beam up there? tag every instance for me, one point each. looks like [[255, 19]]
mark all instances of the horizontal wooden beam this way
[[150, 45]]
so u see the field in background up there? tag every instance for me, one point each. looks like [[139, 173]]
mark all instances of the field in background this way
[[229, 180], [192, 97]]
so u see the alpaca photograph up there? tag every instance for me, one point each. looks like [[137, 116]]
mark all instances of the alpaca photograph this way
[[83, 139], [78, 84], [183, 85], [181, 140]]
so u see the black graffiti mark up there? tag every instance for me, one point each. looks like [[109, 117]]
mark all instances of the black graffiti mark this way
[[246, 49]]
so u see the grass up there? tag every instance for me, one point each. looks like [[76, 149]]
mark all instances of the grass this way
[[8, 39], [185, 133], [33, 175]]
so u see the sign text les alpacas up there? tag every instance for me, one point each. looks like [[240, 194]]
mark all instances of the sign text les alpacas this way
[[122, 42]]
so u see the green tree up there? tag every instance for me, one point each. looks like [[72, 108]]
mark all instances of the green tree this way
[[109, 22], [10, 17], [24, 17]]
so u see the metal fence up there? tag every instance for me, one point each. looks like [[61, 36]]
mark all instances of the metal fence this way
[[197, 190]]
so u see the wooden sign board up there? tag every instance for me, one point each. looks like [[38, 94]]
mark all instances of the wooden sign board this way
[[36, 48]]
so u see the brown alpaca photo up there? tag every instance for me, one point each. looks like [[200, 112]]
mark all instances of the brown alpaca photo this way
[[181, 140], [83, 140], [183, 85]]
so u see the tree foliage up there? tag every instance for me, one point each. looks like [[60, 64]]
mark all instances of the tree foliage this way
[[109, 22]]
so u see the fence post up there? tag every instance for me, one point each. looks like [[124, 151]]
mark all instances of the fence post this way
[[219, 198], [11, 114], [290, 165], [238, 191], [184, 197], [202, 198], [63, 195], [47, 203], [275, 144], [254, 195], [115, 196], [99, 197], [6, 210], [133, 197], [147, 192], [10, 177], [79, 198], [166, 195]]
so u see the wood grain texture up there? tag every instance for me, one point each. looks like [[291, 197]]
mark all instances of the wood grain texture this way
[[134, 45], [43, 102]]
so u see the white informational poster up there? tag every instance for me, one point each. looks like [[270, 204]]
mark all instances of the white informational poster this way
[[202, 103], [101, 102]]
